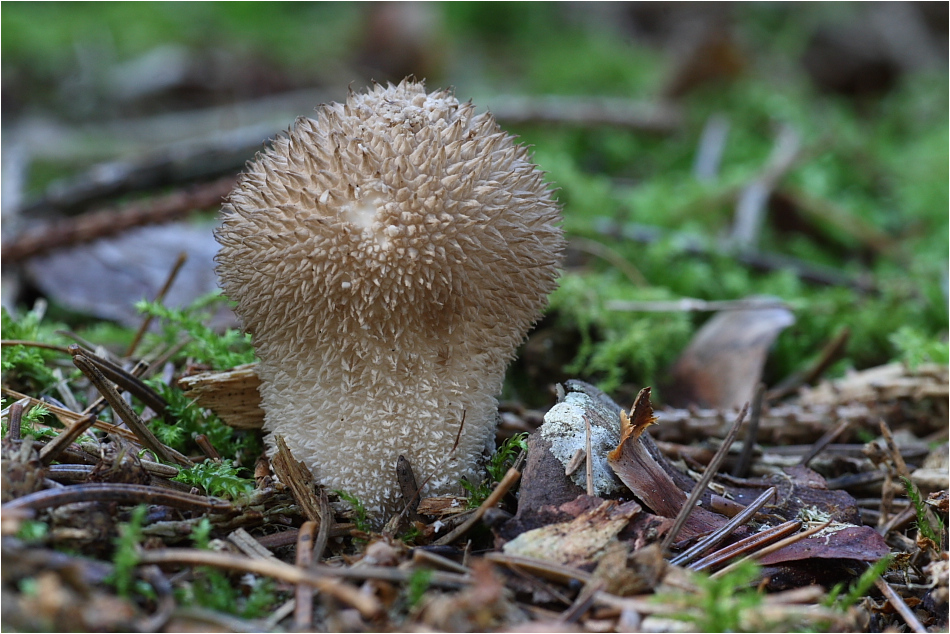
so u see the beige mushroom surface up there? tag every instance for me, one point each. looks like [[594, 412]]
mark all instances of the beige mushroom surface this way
[[388, 257]]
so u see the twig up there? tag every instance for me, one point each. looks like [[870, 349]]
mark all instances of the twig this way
[[127, 414], [716, 537], [127, 494], [750, 208], [298, 478], [208, 620], [898, 602], [422, 556], [279, 615], [33, 344], [303, 595], [612, 256], [408, 488], [588, 459], [897, 521], [583, 602], [109, 222], [691, 304], [774, 547], [547, 569], [394, 575], [14, 419], [511, 477], [69, 417], [56, 446], [831, 352], [822, 443], [367, 605], [166, 599], [159, 296], [246, 543], [712, 142], [207, 448], [750, 543], [127, 380], [741, 467], [899, 464], [711, 469], [586, 111]]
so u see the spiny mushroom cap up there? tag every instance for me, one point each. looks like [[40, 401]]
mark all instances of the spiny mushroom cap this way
[[388, 256]]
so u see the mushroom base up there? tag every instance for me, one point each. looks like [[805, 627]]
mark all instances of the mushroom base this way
[[353, 425]]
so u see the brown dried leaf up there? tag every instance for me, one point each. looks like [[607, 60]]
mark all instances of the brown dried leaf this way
[[578, 542], [841, 541], [722, 365], [645, 477]]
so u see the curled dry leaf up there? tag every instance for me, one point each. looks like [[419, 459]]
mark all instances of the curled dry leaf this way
[[645, 477], [723, 363]]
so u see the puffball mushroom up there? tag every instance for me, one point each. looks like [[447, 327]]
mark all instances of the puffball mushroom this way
[[388, 256]]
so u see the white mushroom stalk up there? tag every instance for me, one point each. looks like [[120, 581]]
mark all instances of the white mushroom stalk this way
[[388, 256]]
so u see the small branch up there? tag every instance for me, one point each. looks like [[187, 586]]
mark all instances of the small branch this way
[[127, 380], [587, 111], [774, 547], [712, 143], [14, 419], [127, 494], [303, 595], [900, 605], [127, 414], [58, 445], [367, 605], [70, 418], [711, 469], [583, 602], [716, 537], [246, 543], [506, 483], [751, 434], [687, 304], [753, 200], [748, 544], [604, 252], [176, 268], [822, 443], [831, 352], [109, 222]]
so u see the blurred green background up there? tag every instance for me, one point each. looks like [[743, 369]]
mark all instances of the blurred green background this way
[[862, 89]]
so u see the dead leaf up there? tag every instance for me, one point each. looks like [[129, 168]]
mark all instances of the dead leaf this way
[[578, 542], [838, 541], [103, 278], [723, 363], [645, 477]]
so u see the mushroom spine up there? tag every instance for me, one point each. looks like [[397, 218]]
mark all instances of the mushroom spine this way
[[388, 256]]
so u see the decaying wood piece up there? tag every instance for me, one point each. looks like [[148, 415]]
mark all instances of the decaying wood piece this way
[[580, 541], [298, 478], [882, 384], [232, 395]]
